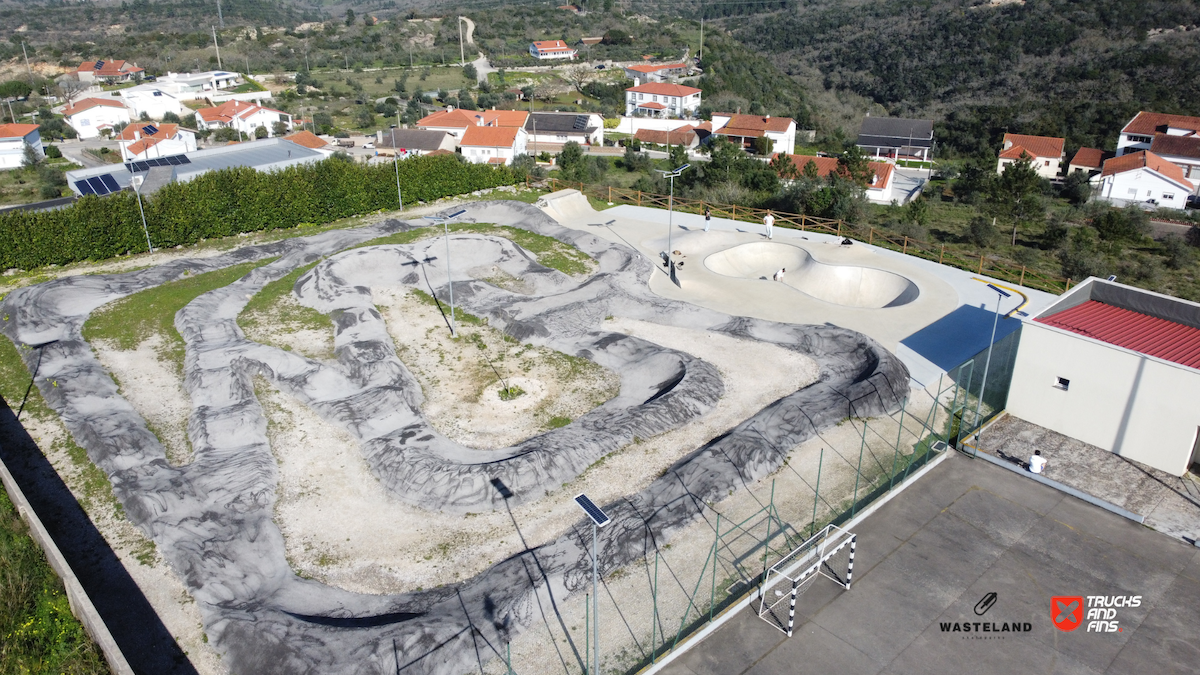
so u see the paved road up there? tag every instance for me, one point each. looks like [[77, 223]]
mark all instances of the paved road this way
[[965, 530]]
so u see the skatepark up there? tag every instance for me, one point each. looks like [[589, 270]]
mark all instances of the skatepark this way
[[283, 453]]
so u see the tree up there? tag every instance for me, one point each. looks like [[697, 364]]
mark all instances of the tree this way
[[678, 156], [763, 146], [349, 17], [783, 165], [171, 118], [616, 36], [854, 165], [1076, 188], [261, 132], [1016, 195], [470, 73], [982, 232], [635, 161], [579, 75], [279, 129], [363, 117], [30, 157], [1127, 224], [15, 89], [811, 171], [570, 156], [70, 87], [1079, 257]]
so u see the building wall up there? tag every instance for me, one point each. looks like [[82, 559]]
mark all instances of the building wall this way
[[676, 105], [87, 123], [1046, 167], [1137, 407], [1142, 185], [12, 150]]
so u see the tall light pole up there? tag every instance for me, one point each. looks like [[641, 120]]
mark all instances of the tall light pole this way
[[988, 362], [672, 175], [445, 221], [462, 50], [136, 182], [599, 519], [396, 159]]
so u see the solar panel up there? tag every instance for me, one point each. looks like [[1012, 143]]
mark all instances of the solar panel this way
[[129, 167], [98, 186], [110, 183], [598, 517], [84, 188], [176, 160], [99, 65], [141, 166], [581, 122], [149, 130], [184, 159]]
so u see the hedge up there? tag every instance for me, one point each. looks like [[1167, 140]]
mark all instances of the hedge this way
[[232, 201]]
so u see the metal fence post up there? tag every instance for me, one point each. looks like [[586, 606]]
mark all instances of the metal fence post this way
[[654, 616], [858, 473], [587, 631], [899, 436], [712, 597], [817, 493]]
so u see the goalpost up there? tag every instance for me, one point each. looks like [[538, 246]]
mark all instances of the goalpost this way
[[826, 553]]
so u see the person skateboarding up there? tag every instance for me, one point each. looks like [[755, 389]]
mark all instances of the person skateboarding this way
[[779, 275]]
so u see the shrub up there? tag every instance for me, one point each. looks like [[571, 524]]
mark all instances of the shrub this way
[[982, 232], [1179, 255], [53, 152]]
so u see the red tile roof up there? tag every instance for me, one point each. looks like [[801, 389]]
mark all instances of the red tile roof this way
[[17, 130], [655, 68], [1088, 157], [551, 46], [1147, 159], [490, 137], [1148, 123], [652, 105], [227, 111], [753, 125], [1180, 146], [164, 131], [141, 146], [110, 68], [664, 89], [685, 135], [1141, 333], [89, 103], [461, 119], [828, 165], [306, 139], [1035, 146]]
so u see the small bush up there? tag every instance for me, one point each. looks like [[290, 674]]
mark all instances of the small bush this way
[[53, 152], [982, 232]]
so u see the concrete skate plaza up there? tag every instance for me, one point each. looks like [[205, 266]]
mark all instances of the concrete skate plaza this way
[[212, 518]]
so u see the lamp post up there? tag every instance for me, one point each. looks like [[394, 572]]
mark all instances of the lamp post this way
[[672, 175], [445, 221], [396, 160], [136, 182], [988, 362], [599, 519]]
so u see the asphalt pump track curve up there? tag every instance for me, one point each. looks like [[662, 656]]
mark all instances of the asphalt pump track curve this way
[[212, 519]]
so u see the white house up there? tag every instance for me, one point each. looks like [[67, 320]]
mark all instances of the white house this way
[[583, 128], [91, 116], [109, 71], [1044, 153], [1117, 367], [660, 99], [13, 139], [198, 85], [243, 117], [1143, 177], [145, 140], [152, 101], [744, 129], [413, 142], [1182, 151], [1139, 133], [896, 138], [685, 135], [662, 72], [877, 191], [493, 145], [551, 49], [1088, 160], [457, 121]]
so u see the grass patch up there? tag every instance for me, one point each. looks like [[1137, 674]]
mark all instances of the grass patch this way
[[511, 392], [558, 422], [460, 316], [272, 307], [132, 320]]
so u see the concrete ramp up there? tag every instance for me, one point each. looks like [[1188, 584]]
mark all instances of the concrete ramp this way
[[847, 285], [567, 206]]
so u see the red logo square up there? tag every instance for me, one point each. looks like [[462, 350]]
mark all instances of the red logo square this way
[[1066, 611]]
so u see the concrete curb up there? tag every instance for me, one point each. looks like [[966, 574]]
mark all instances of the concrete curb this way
[[81, 604], [1095, 501], [733, 610]]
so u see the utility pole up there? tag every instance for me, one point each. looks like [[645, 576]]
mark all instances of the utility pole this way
[[701, 54], [462, 50], [220, 17], [217, 47], [27, 68]]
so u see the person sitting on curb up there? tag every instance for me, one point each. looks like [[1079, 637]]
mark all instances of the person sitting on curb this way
[[1037, 462], [779, 275]]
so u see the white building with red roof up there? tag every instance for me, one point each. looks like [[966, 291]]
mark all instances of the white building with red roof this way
[[1044, 153], [242, 116], [656, 72], [456, 121], [492, 145], [109, 71], [91, 117], [744, 129], [1139, 133], [1144, 177], [878, 190], [147, 140], [660, 99], [13, 139], [551, 49]]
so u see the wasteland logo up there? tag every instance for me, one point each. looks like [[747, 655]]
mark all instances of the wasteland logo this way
[[985, 630]]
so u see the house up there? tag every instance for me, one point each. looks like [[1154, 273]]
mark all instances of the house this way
[[1143, 177], [685, 136], [110, 71], [660, 99], [243, 117], [744, 129], [1182, 151], [307, 139], [90, 117], [663, 72], [1044, 153], [143, 140], [190, 86], [151, 101], [878, 191], [896, 138], [583, 128], [492, 145], [1139, 133], [1117, 367], [1088, 160], [13, 139], [457, 121], [413, 142], [551, 49]]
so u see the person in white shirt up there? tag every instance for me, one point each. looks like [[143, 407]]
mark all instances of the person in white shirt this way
[[768, 220], [1037, 462], [779, 275]]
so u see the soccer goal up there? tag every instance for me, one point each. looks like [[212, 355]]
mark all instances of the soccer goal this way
[[828, 553]]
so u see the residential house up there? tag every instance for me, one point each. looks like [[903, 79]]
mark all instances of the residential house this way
[[144, 140], [152, 101], [744, 129], [685, 136], [493, 145], [13, 139], [109, 71], [1088, 160], [243, 117], [191, 86], [896, 138], [1182, 151], [660, 99], [90, 117], [307, 139], [878, 190], [1044, 153], [551, 49], [457, 121], [413, 142], [662, 72], [583, 128], [1139, 133], [1143, 176]]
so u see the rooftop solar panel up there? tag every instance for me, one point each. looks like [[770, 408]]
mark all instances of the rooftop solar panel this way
[[150, 130], [84, 188], [141, 166], [580, 122], [110, 183], [99, 65], [98, 186], [598, 517], [176, 160]]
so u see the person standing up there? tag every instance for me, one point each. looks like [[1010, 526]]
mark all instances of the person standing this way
[[769, 220], [1037, 462], [780, 273], [707, 218]]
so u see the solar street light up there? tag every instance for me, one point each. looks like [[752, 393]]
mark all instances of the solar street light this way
[[445, 220], [599, 519], [136, 182], [672, 175]]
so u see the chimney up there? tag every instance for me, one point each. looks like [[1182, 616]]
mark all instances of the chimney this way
[[479, 120], [637, 81], [766, 117], [137, 134]]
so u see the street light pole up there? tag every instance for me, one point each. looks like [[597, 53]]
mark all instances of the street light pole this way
[[445, 221], [599, 519], [396, 160], [672, 175], [136, 181], [988, 362]]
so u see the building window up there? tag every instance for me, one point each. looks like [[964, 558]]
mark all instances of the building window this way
[[1168, 196], [1139, 139], [1047, 162], [1132, 192], [1062, 383]]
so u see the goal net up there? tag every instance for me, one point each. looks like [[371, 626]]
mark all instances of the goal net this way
[[828, 553]]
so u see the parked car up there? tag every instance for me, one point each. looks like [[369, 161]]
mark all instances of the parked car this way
[[1193, 202], [600, 67], [368, 146]]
